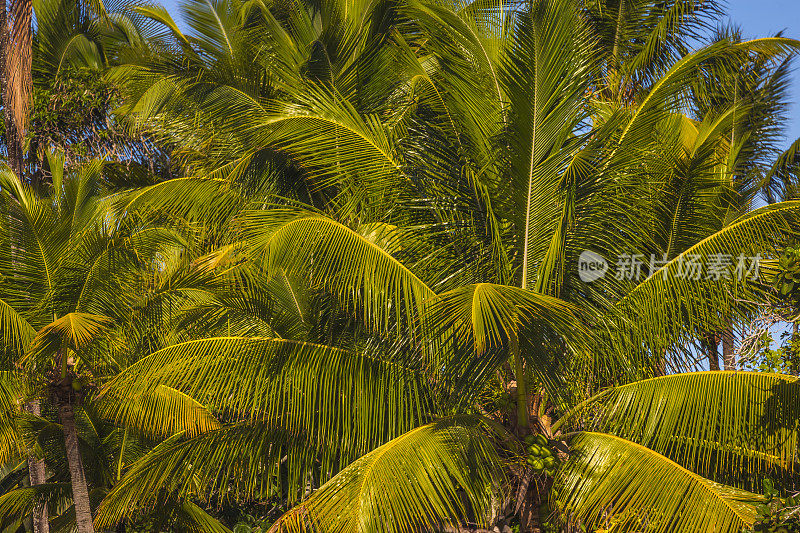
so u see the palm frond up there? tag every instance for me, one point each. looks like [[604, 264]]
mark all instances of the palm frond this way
[[163, 412], [486, 316], [17, 333], [419, 481], [191, 198], [73, 330], [731, 426], [22, 502], [243, 460], [324, 392], [672, 304], [545, 75], [608, 483], [481, 326], [193, 519], [341, 260], [781, 181]]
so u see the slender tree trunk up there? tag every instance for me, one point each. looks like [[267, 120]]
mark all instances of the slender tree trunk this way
[[37, 476], [16, 43], [530, 520], [523, 421], [80, 492], [728, 355], [710, 344]]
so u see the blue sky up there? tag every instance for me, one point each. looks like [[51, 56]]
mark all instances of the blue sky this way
[[758, 18]]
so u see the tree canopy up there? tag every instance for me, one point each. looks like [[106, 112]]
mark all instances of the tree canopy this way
[[396, 265]]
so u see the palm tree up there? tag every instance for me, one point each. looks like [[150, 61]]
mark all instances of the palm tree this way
[[67, 36], [441, 206], [73, 269]]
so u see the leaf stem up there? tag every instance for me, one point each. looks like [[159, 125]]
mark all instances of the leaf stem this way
[[522, 389]]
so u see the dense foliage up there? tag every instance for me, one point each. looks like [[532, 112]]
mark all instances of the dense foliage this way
[[396, 265]]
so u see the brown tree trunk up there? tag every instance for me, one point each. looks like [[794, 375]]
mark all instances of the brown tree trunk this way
[[529, 519], [710, 345], [37, 476], [16, 44], [728, 355], [80, 492]]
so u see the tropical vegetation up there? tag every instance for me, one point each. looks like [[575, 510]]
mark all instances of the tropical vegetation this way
[[396, 265]]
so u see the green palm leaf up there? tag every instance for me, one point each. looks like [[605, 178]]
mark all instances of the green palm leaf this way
[[781, 180], [242, 460], [324, 392], [74, 331], [162, 412], [615, 484], [486, 316], [191, 518], [670, 306], [343, 261], [416, 482], [17, 333], [730, 426], [479, 327], [546, 75], [210, 200], [21, 502]]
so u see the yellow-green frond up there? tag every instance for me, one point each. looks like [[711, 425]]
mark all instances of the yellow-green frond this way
[[243, 460], [16, 332], [328, 393], [162, 412], [676, 304], [731, 426], [615, 484], [415, 482], [341, 260], [74, 331]]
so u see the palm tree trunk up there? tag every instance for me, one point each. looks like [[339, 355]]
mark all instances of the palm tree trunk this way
[[530, 520], [523, 421], [37, 476], [710, 344], [80, 492], [728, 355]]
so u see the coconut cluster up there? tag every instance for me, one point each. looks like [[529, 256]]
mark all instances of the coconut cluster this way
[[540, 456]]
